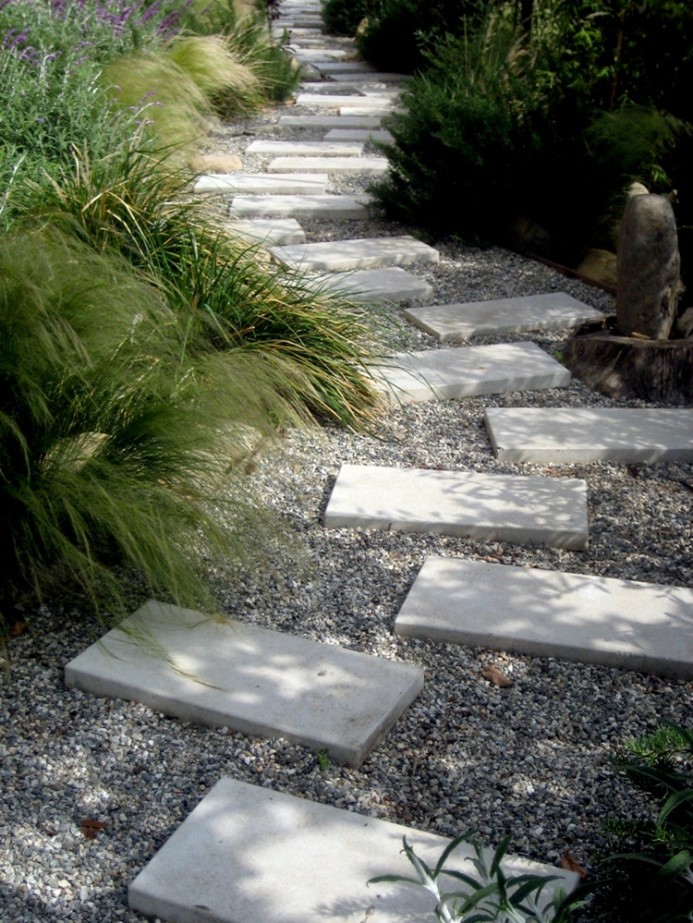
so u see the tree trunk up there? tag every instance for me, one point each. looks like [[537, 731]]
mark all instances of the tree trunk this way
[[626, 367]]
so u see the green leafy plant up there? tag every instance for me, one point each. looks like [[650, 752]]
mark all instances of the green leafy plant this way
[[649, 870], [342, 17], [488, 895]]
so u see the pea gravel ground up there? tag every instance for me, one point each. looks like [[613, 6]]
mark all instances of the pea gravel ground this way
[[468, 757]]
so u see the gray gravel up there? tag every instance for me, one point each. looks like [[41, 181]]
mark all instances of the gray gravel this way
[[531, 761]]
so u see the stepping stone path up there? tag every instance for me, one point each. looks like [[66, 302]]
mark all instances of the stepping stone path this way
[[441, 374], [231, 859], [230, 674], [577, 434], [363, 253], [279, 184], [269, 231], [307, 206], [619, 623], [534, 510], [554, 311], [250, 855]]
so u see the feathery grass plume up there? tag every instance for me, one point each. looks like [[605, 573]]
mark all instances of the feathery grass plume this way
[[167, 101], [244, 28], [230, 85], [316, 345], [120, 440]]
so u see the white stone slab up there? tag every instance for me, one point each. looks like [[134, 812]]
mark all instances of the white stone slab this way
[[344, 67], [456, 372], [311, 55], [530, 510], [320, 122], [358, 134], [377, 286], [226, 673], [306, 148], [377, 77], [334, 101], [551, 311], [278, 184], [581, 434], [347, 88], [247, 854], [329, 164], [354, 111], [362, 253], [619, 623], [268, 230], [325, 206]]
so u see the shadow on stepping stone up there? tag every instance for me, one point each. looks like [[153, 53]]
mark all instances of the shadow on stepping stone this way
[[230, 674]]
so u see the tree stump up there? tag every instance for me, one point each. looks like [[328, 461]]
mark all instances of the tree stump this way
[[628, 367]]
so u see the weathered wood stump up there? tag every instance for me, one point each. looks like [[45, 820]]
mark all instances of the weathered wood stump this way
[[628, 367]]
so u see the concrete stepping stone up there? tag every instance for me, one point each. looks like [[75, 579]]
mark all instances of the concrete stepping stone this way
[[247, 854], [324, 206], [362, 253], [374, 286], [551, 311], [581, 434], [309, 148], [329, 164], [226, 673], [311, 55], [369, 77], [260, 183], [328, 121], [349, 88], [359, 134], [442, 374], [618, 623], [344, 67], [268, 230], [335, 100], [493, 507], [353, 111]]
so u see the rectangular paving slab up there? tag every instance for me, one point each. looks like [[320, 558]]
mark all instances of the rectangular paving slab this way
[[329, 164], [456, 372], [581, 434], [269, 230], [362, 253], [329, 121], [230, 674], [376, 286], [312, 183], [551, 311], [308, 206], [367, 78], [344, 67], [334, 101], [247, 854], [495, 507], [358, 134], [619, 623], [353, 111], [309, 148]]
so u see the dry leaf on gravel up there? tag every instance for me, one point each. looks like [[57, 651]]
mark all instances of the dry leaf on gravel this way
[[496, 676], [570, 864], [90, 827]]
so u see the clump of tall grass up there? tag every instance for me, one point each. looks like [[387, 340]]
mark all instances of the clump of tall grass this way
[[225, 294], [120, 437]]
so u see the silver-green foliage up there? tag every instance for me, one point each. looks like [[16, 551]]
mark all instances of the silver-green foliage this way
[[488, 896]]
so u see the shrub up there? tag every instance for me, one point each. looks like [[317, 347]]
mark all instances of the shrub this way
[[398, 32], [342, 17]]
